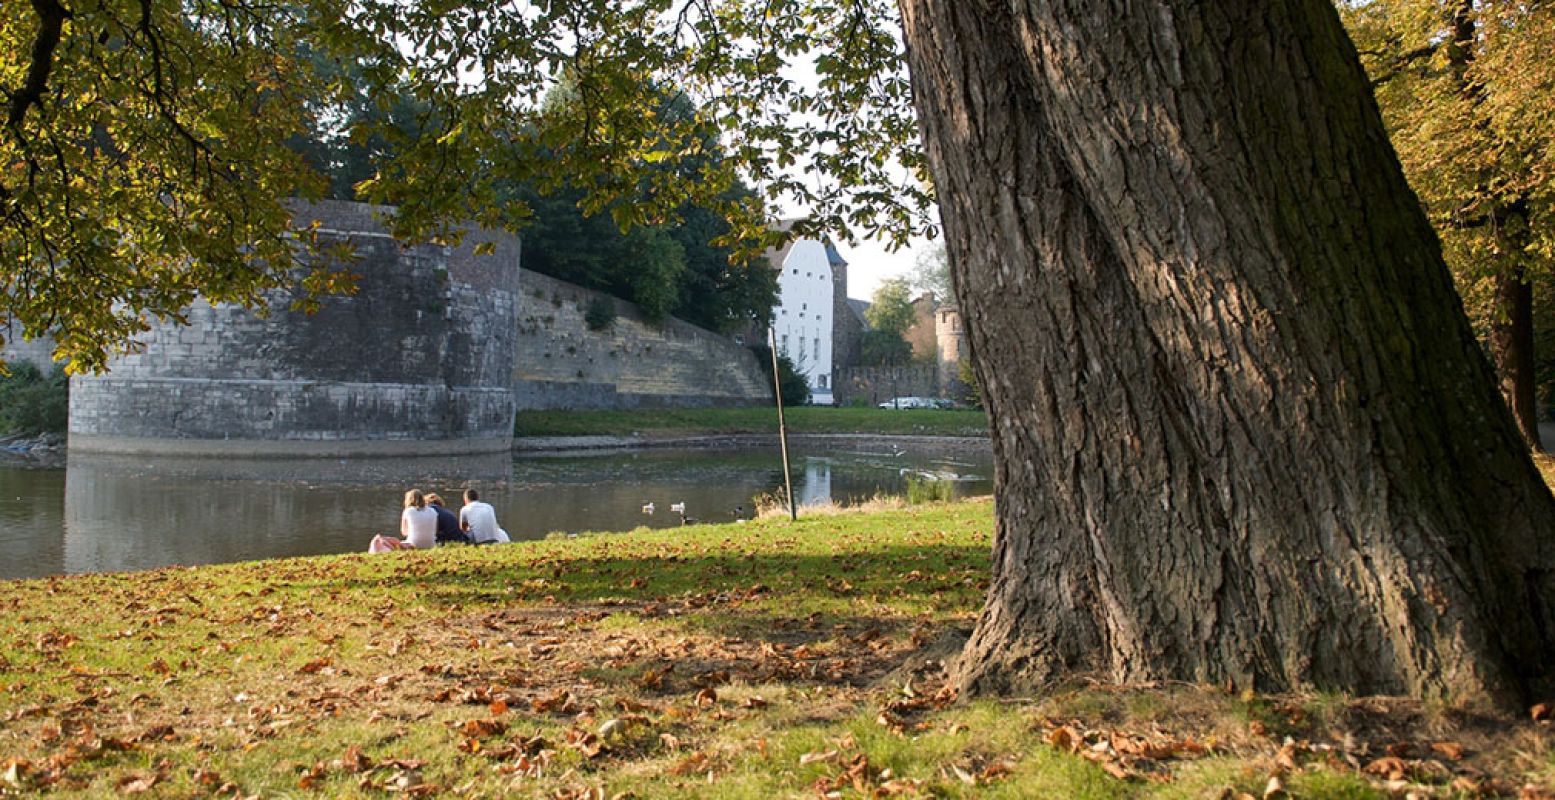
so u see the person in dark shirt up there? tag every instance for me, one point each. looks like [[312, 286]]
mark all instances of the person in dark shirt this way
[[447, 522]]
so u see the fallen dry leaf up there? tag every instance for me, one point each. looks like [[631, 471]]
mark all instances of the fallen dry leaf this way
[[1448, 750], [817, 758], [134, 783], [1065, 738], [1390, 768]]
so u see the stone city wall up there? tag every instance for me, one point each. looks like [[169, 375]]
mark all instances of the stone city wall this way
[[38, 352], [424, 351], [632, 364], [874, 385]]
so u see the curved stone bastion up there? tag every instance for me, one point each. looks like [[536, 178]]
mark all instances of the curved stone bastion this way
[[420, 361]]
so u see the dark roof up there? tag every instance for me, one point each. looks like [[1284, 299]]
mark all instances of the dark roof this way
[[777, 255], [858, 307]]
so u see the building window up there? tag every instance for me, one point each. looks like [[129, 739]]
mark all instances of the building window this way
[[805, 306], [821, 381], [817, 347], [784, 347], [796, 272], [801, 349]]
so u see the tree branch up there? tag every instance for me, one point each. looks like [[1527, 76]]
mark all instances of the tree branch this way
[[51, 26]]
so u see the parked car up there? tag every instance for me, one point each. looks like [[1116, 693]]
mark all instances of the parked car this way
[[913, 402]]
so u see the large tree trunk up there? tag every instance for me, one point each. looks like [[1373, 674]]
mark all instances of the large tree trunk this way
[[1511, 344], [1242, 430]]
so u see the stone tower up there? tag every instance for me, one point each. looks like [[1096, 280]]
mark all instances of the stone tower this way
[[950, 334], [419, 361]]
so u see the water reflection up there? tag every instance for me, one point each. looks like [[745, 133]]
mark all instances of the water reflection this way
[[107, 514]]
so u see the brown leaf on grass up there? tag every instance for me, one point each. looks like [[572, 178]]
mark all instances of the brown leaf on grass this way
[[207, 778], [1390, 768], [1065, 738], [820, 757], [17, 771], [997, 769], [585, 742], [1448, 750], [630, 705], [754, 701], [477, 728], [312, 776], [498, 707], [1542, 712], [1285, 759], [706, 697], [1114, 769], [694, 763], [157, 733], [560, 702], [313, 666], [711, 679], [135, 783], [652, 679], [354, 760]]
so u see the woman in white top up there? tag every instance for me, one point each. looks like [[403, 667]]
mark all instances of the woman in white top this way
[[418, 522]]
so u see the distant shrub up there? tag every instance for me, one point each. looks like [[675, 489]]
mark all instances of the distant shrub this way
[[32, 402], [600, 314], [796, 390]]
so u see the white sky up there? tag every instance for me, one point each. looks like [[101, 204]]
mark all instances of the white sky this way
[[869, 264]]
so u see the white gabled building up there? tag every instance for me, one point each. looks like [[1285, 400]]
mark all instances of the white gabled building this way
[[803, 320]]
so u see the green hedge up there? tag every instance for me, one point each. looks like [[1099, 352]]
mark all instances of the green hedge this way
[[32, 402]]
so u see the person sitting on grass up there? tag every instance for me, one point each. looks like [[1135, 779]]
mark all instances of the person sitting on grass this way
[[418, 527], [479, 520], [448, 530]]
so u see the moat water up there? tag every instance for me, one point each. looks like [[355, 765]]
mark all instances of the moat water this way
[[105, 515]]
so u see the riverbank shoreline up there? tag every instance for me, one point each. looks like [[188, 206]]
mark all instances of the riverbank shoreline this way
[[880, 443]]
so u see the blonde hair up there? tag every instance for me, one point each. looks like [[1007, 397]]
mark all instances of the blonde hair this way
[[414, 498]]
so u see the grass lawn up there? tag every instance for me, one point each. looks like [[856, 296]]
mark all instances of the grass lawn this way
[[761, 660], [805, 419]]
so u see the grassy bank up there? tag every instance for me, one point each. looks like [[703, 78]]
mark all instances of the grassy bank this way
[[808, 419], [760, 660]]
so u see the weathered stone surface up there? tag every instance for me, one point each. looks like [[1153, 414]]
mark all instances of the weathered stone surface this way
[[632, 364], [424, 351]]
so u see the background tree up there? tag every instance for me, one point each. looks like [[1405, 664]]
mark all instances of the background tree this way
[[1464, 87], [143, 166], [890, 308], [931, 273], [889, 315]]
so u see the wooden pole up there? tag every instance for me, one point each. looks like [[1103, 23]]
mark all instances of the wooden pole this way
[[777, 391]]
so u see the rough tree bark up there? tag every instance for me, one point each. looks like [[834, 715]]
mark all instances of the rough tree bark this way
[[1242, 430]]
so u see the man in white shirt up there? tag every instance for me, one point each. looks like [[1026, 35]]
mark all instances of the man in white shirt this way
[[479, 520]]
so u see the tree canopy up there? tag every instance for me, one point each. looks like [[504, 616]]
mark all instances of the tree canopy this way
[[147, 158]]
